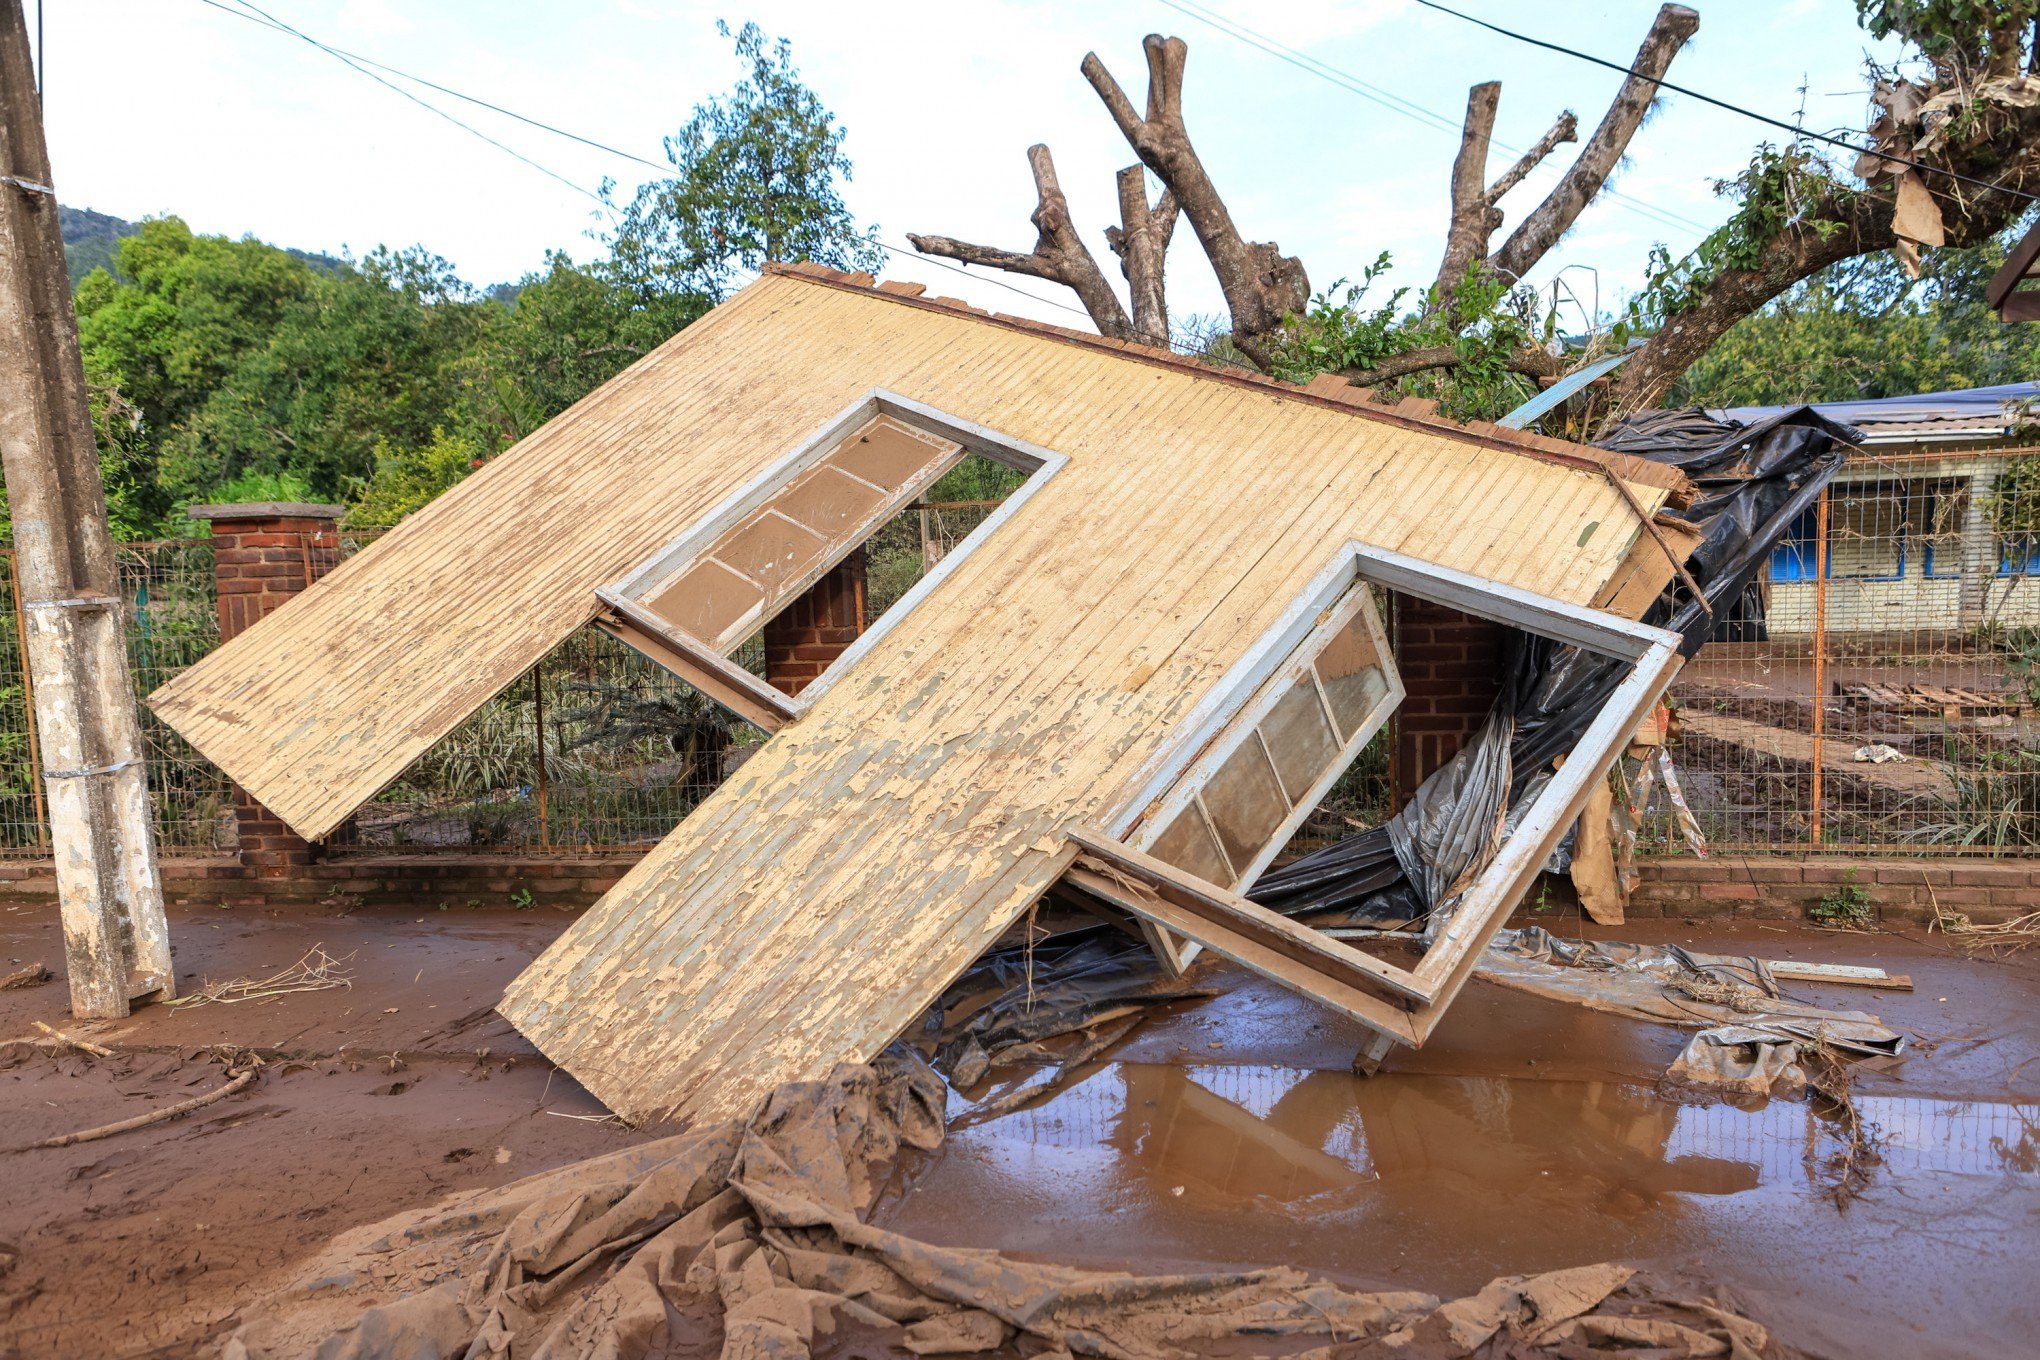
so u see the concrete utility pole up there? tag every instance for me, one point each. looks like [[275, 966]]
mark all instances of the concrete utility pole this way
[[116, 941]]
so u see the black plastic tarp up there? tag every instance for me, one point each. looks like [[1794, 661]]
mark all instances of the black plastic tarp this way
[[1752, 481]]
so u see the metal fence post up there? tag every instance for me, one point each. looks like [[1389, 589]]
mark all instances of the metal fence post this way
[[538, 717], [1820, 582]]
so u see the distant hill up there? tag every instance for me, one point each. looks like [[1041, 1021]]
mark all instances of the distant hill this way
[[90, 239]]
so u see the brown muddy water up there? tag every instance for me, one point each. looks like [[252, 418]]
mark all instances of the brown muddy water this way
[[1221, 1154], [1442, 1182]]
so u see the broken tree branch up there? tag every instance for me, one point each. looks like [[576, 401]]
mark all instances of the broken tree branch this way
[[1552, 218], [1261, 285], [142, 1121], [1142, 244], [1476, 215], [1530, 362], [1059, 254], [82, 1045]]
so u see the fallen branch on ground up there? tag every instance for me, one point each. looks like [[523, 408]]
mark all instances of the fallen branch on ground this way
[[142, 1121], [32, 976], [80, 1044]]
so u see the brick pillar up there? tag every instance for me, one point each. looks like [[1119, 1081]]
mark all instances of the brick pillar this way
[[816, 628], [264, 553], [1451, 664]]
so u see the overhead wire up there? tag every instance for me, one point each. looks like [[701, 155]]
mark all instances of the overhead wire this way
[[276, 23], [1795, 129], [1395, 103], [358, 62]]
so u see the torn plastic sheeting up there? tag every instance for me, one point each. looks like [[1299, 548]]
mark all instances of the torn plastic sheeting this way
[[1738, 1060], [755, 1229], [1058, 989], [1754, 481], [1672, 986]]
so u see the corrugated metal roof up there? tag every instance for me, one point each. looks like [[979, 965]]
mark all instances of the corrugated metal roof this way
[[1985, 411]]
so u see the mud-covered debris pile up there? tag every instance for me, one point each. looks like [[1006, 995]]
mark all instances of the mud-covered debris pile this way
[[752, 1230]]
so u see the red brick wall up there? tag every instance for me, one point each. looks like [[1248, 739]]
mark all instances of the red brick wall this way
[[817, 627], [262, 556], [414, 882], [1451, 664], [1987, 891], [1901, 891], [260, 563]]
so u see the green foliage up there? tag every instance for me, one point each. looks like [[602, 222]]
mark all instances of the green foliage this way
[[265, 486], [1335, 334], [1845, 905], [1946, 28], [2020, 647], [555, 336], [756, 175], [405, 480], [1782, 190], [1487, 323], [2014, 504], [1864, 329], [1995, 809]]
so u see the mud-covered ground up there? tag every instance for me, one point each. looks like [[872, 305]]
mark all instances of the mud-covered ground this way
[[1225, 1133]]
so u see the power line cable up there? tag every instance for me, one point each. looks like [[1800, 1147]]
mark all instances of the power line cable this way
[[358, 62], [1795, 129], [273, 22], [446, 90], [1395, 103]]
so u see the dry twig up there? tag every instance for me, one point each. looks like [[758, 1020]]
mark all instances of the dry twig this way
[[317, 971], [80, 1044], [2006, 937]]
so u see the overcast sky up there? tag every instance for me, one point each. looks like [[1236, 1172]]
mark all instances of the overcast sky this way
[[173, 106]]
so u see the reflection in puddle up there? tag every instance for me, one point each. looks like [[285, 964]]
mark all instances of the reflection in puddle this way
[[1286, 1135]]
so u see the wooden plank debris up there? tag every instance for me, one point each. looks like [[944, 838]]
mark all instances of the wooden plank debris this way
[[1847, 974]]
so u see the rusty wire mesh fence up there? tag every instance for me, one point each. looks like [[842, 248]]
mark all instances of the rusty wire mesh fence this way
[[167, 593], [1879, 692], [593, 748], [1876, 695]]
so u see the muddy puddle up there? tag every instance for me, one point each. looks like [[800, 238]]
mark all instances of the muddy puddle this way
[[1449, 1180]]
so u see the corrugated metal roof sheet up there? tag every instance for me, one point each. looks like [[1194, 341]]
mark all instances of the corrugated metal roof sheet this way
[[1983, 410]]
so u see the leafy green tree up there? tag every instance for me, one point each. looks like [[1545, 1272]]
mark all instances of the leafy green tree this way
[[405, 480], [1486, 330], [1864, 329], [369, 355], [558, 335], [756, 176], [185, 311]]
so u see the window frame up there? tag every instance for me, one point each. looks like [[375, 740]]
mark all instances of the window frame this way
[[1402, 1005], [1246, 696], [701, 664]]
